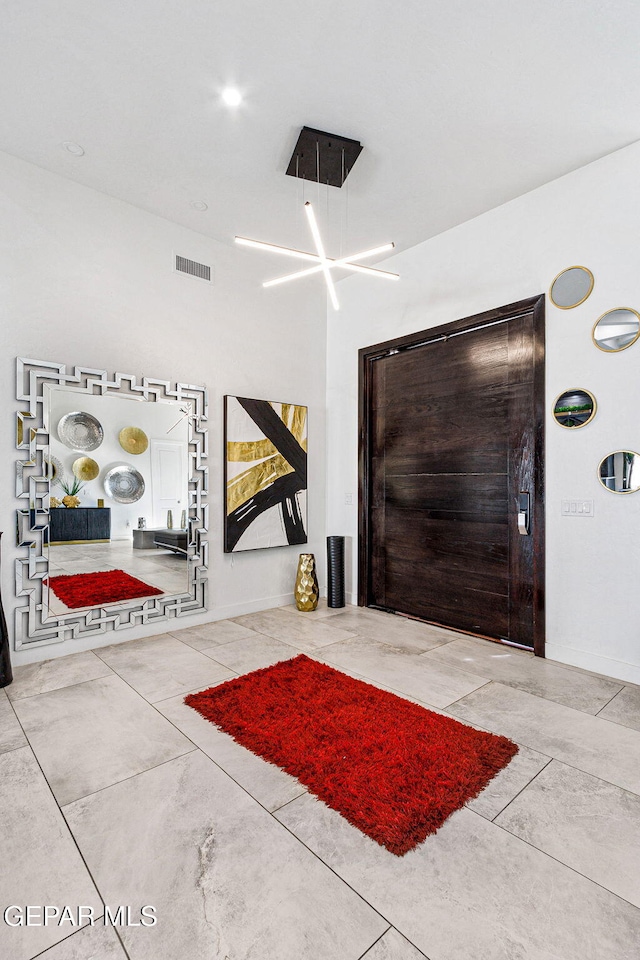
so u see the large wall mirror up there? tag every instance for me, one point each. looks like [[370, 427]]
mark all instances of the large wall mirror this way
[[113, 482]]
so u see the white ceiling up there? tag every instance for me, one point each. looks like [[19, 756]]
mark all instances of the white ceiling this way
[[461, 105]]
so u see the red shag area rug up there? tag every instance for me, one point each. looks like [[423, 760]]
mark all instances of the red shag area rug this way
[[92, 589], [393, 769]]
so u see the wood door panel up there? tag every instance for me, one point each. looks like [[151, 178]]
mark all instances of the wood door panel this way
[[438, 573], [452, 432], [476, 361], [472, 498], [475, 611]]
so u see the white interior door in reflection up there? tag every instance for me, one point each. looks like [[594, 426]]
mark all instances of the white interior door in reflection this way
[[169, 465]]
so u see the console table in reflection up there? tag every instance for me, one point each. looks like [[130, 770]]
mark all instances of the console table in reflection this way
[[79, 525]]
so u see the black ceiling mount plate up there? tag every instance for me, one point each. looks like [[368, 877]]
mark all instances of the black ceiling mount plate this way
[[323, 157]]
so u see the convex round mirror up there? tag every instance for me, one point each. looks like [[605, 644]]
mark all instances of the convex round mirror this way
[[617, 329], [619, 472], [575, 408], [571, 287]]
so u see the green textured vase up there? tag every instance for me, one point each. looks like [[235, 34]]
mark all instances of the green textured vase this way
[[306, 590]]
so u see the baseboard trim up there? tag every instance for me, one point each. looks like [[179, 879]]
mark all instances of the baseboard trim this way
[[617, 669]]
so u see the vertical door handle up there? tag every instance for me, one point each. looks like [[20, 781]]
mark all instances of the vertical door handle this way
[[524, 514]]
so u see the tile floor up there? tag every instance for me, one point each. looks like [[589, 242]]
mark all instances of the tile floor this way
[[160, 568], [114, 792]]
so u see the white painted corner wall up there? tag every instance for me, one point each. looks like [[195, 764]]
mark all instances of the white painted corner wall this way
[[87, 280], [588, 217]]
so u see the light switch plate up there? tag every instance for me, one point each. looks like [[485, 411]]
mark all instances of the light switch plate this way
[[577, 508]]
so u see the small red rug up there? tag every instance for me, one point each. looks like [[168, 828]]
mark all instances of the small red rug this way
[[393, 769], [92, 589]]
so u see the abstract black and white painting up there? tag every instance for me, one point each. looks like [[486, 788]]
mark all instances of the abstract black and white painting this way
[[265, 474]]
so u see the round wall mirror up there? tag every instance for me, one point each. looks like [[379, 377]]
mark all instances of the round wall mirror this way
[[575, 408], [619, 471], [571, 287], [617, 329]]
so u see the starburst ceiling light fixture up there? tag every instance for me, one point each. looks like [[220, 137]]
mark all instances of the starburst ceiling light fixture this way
[[328, 159]]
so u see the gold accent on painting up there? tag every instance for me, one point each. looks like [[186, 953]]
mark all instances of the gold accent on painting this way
[[295, 418], [250, 482], [133, 440], [247, 451]]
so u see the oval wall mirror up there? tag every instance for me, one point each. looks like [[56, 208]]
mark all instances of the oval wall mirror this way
[[575, 408], [619, 471], [616, 329], [571, 287]]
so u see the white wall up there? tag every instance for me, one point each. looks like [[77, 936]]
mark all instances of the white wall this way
[[87, 280], [589, 217]]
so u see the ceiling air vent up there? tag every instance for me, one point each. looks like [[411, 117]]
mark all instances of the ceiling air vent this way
[[201, 271]]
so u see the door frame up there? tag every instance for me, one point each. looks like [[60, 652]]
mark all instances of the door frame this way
[[534, 306]]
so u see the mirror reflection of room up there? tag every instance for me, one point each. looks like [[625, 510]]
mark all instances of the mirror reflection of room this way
[[118, 469]]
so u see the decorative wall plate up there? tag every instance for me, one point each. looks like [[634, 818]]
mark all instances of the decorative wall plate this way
[[84, 468], [54, 469], [133, 440], [80, 431], [124, 484]]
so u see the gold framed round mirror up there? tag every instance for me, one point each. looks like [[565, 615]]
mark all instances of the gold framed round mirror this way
[[616, 330], [571, 287], [575, 408], [619, 472]]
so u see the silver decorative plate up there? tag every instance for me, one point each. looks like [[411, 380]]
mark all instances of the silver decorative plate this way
[[124, 484], [80, 431]]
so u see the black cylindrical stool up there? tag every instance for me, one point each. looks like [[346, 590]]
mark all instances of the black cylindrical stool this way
[[335, 571], [6, 673]]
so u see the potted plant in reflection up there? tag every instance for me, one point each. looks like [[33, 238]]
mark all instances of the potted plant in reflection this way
[[71, 489]]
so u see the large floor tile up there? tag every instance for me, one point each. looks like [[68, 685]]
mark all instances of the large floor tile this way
[[413, 636], [35, 678], [161, 667], [320, 613], [270, 785], [595, 746], [624, 708], [472, 891], [584, 822], [393, 946], [508, 783], [433, 683], [306, 635], [90, 943], [531, 674], [94, 734], [251, 653], [11, 735], [211, 634], [40, 863], [188, 840]]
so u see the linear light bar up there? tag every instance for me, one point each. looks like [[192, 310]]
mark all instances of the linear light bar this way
[[287, 251], [345, 263], [323, 257], [322, 263]]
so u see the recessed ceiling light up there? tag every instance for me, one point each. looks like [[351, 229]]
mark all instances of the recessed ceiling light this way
[[73, 148], [232, 96], [199, 205]]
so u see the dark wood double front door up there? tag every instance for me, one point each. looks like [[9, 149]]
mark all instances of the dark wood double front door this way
[[452, 452]]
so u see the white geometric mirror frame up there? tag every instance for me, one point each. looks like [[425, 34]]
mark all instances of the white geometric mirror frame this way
[[33, 489]]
